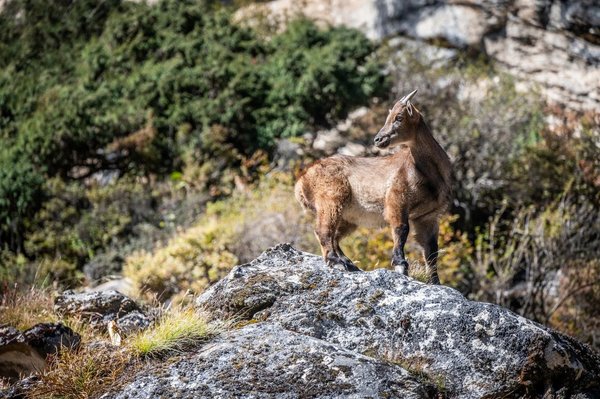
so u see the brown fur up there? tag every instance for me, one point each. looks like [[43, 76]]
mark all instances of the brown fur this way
[[408, 188]]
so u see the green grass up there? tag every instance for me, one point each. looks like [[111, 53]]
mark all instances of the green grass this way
[[175, 331]]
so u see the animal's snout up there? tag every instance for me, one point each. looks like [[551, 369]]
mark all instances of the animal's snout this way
[[381, 140]]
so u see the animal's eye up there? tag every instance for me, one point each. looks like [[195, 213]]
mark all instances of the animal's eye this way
[[398, 118]]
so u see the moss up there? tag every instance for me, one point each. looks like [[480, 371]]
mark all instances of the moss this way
[[376, 296], [418, 367]]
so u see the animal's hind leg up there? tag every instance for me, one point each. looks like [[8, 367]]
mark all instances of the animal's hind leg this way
[[426, 234], [328, 220], [343, 230]]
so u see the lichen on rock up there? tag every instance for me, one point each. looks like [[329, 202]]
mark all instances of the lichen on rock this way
[[311, 331]]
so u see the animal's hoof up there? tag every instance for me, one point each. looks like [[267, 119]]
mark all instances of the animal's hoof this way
[[401, 266], [351, 267], [340, 264]]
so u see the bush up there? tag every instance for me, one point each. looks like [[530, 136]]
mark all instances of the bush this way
[[86, 373], [20, 194], [76, 223], [190, 261], [231, 231], [141, 88], [543, 264]]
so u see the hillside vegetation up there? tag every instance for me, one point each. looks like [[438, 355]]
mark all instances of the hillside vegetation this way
[[144, 141], [124, 92]]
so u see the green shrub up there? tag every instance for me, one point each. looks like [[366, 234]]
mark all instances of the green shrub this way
[[20, 193], [76, 223], [87, 87], [231, 231], [190, 261]]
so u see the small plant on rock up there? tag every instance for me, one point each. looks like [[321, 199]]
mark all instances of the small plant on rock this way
[[175, 331]]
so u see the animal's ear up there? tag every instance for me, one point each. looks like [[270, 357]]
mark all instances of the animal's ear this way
[[410, 109]]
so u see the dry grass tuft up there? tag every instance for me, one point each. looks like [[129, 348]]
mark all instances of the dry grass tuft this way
[[418, 271], [23, 309], [82, 374]]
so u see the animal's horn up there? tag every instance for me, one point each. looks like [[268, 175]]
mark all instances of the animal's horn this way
[[407, 97]]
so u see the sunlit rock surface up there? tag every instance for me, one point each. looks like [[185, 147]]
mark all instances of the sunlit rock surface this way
[[310, 331]]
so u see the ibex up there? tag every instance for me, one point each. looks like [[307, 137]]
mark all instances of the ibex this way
[[408, 190]]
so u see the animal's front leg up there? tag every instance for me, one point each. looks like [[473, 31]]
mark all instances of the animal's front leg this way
[[400, 234], [430, 253], [426, 233], [396, 214]]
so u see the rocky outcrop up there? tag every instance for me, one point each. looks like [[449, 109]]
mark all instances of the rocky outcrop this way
[[102, 307], [23, 353], [553, 44], [265, 361], [311, 331]]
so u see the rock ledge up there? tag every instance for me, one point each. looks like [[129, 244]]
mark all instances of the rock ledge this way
[[313, 331]]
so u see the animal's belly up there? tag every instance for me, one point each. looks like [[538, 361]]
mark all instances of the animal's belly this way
[[366, 216]]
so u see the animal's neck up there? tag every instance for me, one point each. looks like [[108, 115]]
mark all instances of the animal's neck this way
[[426, 151]]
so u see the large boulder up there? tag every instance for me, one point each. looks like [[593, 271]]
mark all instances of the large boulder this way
[[311, 331], [266, 361], [475, 349], [555, 44], [93, 305]]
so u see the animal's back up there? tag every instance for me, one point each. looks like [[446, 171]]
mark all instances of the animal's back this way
[[357, 185], [324, 180]]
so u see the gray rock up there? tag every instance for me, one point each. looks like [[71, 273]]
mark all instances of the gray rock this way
[[19, 389], [552, 44], [119, 284], [24, 353], [353, 150], [132, 322], [266, 361], [426, 54], [50, 338], [473, 349], [287, 153], [98, 308], [328, 141]]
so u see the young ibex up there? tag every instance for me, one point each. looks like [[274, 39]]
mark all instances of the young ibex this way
[[408, 188]]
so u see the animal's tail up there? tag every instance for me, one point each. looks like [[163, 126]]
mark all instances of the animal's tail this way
[[301, 197]]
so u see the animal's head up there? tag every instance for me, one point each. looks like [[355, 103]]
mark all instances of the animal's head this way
[[399, 125]]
